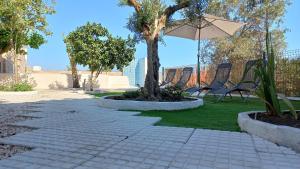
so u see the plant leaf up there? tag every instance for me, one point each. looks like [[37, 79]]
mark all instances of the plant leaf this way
[[290, 105]]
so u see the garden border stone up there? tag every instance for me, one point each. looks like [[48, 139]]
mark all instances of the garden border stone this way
[[148, 105], [279, 134]]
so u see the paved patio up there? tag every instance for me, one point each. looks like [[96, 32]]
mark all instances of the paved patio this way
[[74, 132]]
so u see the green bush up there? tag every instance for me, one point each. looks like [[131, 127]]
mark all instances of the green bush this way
[[172, 93], [18, 87], [132, 94]]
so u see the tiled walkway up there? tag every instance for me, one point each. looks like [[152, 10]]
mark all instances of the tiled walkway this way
[[74, 132]]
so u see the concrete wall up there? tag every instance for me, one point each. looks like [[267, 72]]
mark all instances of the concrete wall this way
[[63, 79]]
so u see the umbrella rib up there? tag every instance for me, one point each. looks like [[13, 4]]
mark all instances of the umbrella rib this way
[[206, 25]]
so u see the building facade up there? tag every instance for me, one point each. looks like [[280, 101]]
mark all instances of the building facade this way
[[141, 71], [129, 71], [136, 72], [7, 63]]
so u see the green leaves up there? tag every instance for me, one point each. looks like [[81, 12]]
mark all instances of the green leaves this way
[[146, 19], [25, 22], [265, 71], [91, 45], [267, 89], [248, 43], [36, 40]]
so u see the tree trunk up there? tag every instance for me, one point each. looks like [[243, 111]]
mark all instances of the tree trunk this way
[[92, 81], [16, 67], [152, 78], [75, 77]]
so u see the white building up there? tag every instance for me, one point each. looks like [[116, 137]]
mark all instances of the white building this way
[[141, 71], [136, 72], [129, 71]]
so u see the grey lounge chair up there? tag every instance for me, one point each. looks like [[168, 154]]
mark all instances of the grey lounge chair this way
[[218, 83], [169, 78], [185, 77], [248, 82]]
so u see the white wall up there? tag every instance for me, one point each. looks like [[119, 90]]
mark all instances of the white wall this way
[[63, 79]]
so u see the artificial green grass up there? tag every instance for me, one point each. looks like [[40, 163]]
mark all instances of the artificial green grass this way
[[106, 94], [213, 115]]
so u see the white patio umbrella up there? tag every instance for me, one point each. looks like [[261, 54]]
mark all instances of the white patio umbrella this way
[[206, 27]]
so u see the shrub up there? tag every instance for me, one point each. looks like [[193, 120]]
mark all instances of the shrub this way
[[172, 93], [18, 87], [132, 94]]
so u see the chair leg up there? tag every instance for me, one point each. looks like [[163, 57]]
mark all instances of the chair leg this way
[[248, 95], [241, 95], [230, 95], [221, 98]]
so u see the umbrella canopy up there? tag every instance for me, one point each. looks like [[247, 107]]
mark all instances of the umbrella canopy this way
[[206, 27], [210, 27]]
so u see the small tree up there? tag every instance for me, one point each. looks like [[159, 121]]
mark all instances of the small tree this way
[[91, 45], [73, 65], [23, 23]]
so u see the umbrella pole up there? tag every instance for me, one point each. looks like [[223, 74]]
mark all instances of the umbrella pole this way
[[199, 55], [198, 65]]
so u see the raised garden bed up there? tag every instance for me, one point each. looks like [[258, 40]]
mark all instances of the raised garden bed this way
[[115, 102], [285, 120], [284, 131]]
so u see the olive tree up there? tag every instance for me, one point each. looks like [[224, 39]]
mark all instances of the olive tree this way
[[147, 22], [92, 45]]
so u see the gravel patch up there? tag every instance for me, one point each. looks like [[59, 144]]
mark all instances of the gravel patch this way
[[7, 151], [8, 130], [10, 114], [9, 119]]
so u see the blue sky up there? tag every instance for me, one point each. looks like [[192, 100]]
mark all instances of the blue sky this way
[[73, 13]]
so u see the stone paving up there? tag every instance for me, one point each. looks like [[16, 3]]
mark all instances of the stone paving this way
[[75, 133]]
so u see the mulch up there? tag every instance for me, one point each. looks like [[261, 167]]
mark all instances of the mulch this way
[[286, 119]]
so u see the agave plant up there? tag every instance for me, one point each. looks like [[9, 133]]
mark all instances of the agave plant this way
[[267, 89]]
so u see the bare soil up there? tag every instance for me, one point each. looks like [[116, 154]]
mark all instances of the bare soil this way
[[286, 119]]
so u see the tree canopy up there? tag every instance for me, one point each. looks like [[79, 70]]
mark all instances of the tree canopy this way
[[23, 22], [93, 46], [249, 42]]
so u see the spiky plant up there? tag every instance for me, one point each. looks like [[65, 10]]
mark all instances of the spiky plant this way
[[267, 89]]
